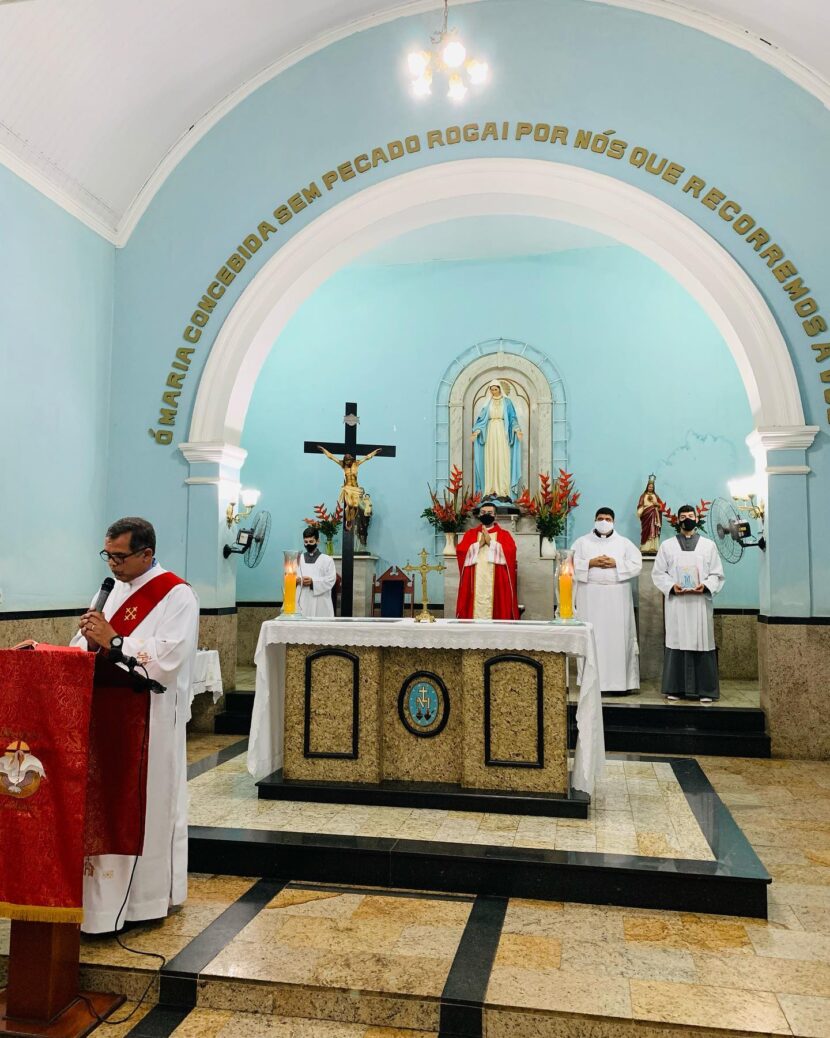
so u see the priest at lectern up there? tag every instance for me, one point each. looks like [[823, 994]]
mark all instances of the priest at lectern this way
[[153, 616], [487, 564]]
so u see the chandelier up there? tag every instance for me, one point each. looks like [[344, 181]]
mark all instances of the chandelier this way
[[448, 55]]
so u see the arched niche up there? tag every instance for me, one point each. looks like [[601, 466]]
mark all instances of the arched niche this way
[[539, 396]]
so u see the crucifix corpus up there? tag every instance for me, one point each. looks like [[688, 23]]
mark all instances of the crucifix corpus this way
[[424, 615], [350, 492]]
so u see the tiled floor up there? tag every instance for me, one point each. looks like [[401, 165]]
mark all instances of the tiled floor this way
[[638, 808], [364, 963], [733, 693]]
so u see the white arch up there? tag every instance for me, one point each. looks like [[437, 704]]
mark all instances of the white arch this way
[[475, 187]]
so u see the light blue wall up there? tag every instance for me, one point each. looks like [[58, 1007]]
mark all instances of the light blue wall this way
[[713, 108], [651, 386], [56, 304]]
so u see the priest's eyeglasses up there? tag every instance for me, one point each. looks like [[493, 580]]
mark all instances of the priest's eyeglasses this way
[[118, 557]]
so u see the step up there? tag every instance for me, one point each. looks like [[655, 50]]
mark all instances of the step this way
[[687, 740], [239, 702], [235, 719]]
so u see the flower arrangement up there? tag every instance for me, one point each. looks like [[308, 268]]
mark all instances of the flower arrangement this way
[[451, 511], [328, 523], [552, 504], [672, 519]]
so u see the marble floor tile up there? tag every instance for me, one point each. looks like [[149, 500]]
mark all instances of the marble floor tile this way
[[557, 991], [273, 962], [788, 944], [696, 1005], [395, 974], [613, 959], [689, 932], [807, 1015], [206, 1023], [529, 952], [760, 973]]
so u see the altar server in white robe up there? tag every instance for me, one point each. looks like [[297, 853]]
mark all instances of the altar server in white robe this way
[[605, 564], [164, 641], [316, 577], [688, 570]]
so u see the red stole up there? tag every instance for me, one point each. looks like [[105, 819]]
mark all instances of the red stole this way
[[142, 602], [505, 600]]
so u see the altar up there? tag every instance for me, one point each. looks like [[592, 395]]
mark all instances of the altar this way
[[394, 711]]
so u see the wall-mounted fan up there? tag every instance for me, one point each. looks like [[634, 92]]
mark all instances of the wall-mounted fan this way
[[730, 533], [251, 543]]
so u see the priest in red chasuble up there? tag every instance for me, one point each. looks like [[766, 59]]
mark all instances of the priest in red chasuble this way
[[487, 565]]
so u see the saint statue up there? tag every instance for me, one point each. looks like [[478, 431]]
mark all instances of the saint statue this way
[[651, 518], [497, 448], [364, 518], [350, 493]]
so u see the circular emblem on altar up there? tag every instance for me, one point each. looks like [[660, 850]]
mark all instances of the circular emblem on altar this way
[[20, 771], [423, 704]]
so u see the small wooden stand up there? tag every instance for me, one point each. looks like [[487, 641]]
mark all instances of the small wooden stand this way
[[42, 997]]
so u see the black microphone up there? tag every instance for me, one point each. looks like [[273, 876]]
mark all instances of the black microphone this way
[[103, 595]]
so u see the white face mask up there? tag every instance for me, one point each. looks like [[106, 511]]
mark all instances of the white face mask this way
[[604, 526]]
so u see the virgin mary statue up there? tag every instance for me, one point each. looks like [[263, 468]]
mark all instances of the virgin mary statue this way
[[497, 448]]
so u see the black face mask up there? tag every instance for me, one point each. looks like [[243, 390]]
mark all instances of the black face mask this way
[[487, 519], [310, 549], [688, 524]]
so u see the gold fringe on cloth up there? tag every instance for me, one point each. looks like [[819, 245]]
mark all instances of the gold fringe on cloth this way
[[39, 914]]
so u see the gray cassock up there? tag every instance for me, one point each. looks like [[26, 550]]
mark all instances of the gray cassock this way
[[604, 599], [690, 663], [316, 600]]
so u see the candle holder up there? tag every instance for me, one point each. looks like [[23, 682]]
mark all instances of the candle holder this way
[[565, 585], [290, 566]]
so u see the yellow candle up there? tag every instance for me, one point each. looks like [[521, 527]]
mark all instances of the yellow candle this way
[[566, 598], [289, 593]]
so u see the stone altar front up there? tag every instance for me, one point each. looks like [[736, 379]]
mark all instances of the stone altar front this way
[[337, 703]]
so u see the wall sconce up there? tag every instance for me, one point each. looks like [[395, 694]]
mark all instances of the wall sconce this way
[[746, 496], [249, 499]]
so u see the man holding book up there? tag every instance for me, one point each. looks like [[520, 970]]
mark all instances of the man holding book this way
[[689, 572]]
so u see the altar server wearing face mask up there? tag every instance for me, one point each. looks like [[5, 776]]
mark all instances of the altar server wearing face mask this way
[[605, 564], [689, 572]]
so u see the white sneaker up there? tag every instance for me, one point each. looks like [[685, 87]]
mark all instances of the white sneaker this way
[[673, 699], [706, 699]]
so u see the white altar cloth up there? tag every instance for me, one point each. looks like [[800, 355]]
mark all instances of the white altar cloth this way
[[265, 749], [207, 675]]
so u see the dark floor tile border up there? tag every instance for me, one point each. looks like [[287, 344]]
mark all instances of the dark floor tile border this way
[[160, 1022], [462, 1000], [415, 895], [177, 985], [42, 614], [219, 611], [213, 760]]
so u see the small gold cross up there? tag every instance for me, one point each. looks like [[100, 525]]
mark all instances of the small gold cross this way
[[424, 615], [131, 613]]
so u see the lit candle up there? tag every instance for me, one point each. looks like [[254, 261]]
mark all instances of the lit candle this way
[[289, 582], [566, 588]]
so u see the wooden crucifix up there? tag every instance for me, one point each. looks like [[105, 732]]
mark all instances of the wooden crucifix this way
[[350, 492]]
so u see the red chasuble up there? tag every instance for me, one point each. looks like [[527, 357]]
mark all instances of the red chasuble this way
[[505, 599]]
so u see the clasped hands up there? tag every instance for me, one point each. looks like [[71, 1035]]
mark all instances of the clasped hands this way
[[484, 537], [96, 630], [602, 562], [678, 590], [306, 582]]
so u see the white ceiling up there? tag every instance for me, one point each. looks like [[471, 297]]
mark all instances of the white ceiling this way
[[485, 238], [101, 98]]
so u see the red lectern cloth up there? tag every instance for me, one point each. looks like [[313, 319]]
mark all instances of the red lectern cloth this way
[[71, 780], [45, 704]]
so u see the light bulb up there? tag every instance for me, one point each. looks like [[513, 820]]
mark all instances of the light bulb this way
[[421, 87], [477, 71], [454, 54], [418, 61], [457, 89], [249, 498]]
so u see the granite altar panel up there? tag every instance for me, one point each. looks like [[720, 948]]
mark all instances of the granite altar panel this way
[[332, 713], [431, 755], [510, 700]]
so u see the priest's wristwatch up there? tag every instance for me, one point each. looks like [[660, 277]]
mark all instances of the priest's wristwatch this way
[[116, 643]]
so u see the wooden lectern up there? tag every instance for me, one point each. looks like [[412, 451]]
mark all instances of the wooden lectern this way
[[43, 996]]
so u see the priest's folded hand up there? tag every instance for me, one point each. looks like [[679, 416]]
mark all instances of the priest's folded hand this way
[[96, 629]]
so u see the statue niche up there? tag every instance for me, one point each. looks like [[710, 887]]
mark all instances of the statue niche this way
[[501, 424]]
